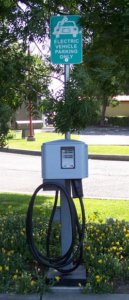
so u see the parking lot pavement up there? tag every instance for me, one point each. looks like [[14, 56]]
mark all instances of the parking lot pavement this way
[[105, 136]]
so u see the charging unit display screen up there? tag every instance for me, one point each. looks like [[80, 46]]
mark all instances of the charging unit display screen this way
[[67, 157]]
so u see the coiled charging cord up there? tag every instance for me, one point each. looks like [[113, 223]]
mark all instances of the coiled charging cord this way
[[72, 258]]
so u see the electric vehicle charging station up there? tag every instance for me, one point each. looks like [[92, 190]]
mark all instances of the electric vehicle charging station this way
[[64, 165], [65, 162]]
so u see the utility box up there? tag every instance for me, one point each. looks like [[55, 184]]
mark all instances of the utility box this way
[[64, 159]]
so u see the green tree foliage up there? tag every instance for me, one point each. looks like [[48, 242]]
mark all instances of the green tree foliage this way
[[106, 51], [12, 74], [102, 70], [76, 113], [23, 77], [73, 109], [5, 115], [30, 19], [35, 88], [21, 72]]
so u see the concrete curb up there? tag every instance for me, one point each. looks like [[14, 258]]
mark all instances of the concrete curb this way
[[90, 156], [66, 296], [20, 151], [109, 157]]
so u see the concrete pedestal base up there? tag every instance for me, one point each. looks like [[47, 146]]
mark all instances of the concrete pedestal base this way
[[30, 138], [75, 278]]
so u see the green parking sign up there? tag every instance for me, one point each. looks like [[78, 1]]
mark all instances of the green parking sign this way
[[66, 39]]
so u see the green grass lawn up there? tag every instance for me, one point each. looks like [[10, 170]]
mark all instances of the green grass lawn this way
[[109, 149], [102, 209], [41, 137]]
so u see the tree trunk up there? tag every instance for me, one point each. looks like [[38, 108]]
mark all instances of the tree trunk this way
[[104, 106]]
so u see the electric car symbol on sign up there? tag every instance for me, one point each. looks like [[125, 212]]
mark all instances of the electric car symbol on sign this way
[[66, 27]]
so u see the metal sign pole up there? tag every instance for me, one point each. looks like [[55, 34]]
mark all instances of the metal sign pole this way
[[66, 230], [66, 79], [66, 48]]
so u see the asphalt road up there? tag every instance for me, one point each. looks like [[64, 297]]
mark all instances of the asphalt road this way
[[107, 179]]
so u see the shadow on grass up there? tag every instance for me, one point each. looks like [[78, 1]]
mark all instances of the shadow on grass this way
[[18, 203]]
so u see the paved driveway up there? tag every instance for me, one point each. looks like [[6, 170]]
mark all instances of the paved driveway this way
[[105, 136], [22, 173]]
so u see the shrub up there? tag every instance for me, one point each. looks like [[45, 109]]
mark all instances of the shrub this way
[[19, 272], [118, 121], [106, 255]]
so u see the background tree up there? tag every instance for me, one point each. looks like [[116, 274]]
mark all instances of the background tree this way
[[16, 85], [22, 79], [102, 70], [106, 51], [36, 84], [106, 38], [73, 109]]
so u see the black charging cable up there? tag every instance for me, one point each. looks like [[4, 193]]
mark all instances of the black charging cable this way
[[72, 258]]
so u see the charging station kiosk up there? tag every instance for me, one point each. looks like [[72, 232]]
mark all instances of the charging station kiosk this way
[[64, 159], [66, 162], [64, 165]]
